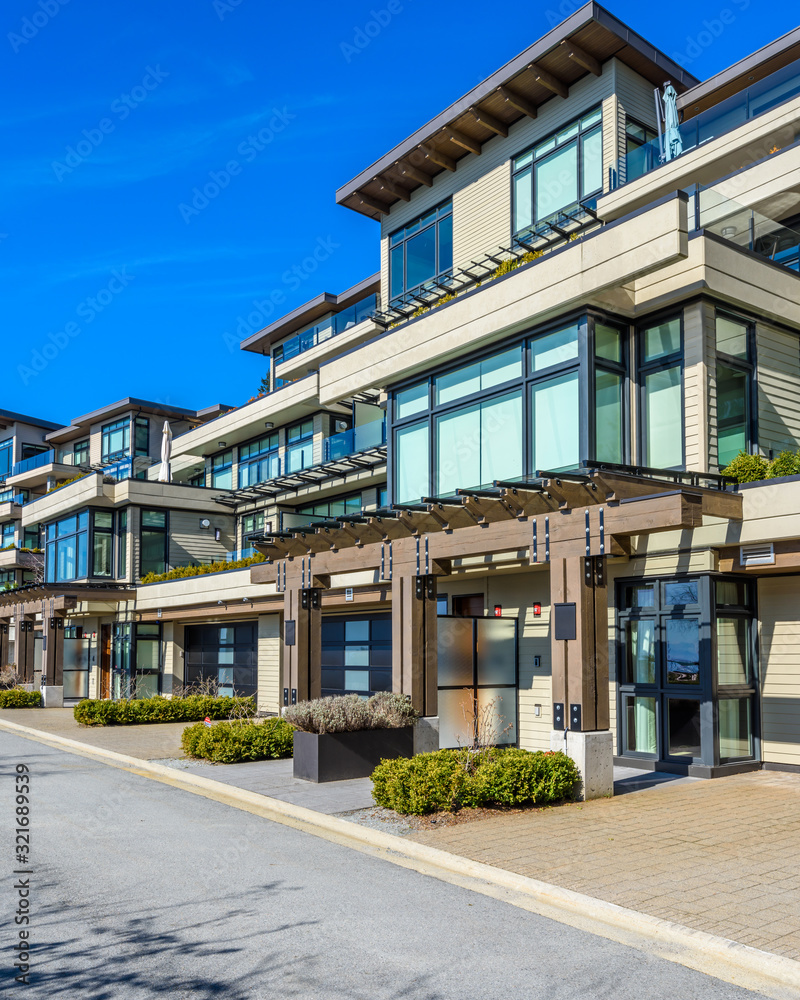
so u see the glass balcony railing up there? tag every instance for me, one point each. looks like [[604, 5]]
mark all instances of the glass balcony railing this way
[[330, 327], [729, 114], [362, 438], [119, 470], [36, 462], [748, 228]]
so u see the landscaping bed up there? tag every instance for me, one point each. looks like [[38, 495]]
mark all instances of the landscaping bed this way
[[240, 740], [144, 711]]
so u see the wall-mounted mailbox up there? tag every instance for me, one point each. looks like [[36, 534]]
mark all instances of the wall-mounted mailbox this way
[[564, 622], [289, 629]]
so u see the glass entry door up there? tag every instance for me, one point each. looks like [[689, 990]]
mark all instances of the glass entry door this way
[[686, 671], [478, 683]]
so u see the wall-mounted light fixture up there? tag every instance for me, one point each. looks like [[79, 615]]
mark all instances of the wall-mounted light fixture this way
[[269, 424], [204, 522], [221, 444]]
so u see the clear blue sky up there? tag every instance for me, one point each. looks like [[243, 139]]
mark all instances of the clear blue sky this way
[[168, 94]]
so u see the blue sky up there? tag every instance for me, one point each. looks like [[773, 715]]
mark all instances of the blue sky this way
[[119, 280]]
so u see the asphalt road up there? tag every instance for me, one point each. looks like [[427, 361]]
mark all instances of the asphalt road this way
[[143, 890]]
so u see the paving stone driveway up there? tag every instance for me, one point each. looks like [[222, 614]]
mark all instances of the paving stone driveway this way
[[721, 856]]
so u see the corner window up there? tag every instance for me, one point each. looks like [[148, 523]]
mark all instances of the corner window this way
[[661, 393], [141, 441], [31, 537], [560, 173], [154, 541], [6, 457], [222, 471], [735, 388], [300, 447], [67, 549], [7, 537], [641, 154], [80, 453], [116, 440], [422, 251], [102, 543]]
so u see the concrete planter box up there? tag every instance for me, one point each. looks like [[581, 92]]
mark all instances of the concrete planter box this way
[[337, 756]]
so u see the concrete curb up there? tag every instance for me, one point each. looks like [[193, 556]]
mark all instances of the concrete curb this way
[[751, 968]]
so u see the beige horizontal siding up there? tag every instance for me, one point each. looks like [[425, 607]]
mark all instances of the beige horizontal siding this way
[[189, 543], [779, 603], [269, 663], [694, 387], [778, 373]]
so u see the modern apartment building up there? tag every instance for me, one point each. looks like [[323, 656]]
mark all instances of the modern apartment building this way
[[495, 465]]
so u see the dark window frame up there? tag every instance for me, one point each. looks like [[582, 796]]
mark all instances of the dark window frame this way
[[747, 366], [259, 457], [153, 530], [644, 368], [393, 243], [123, 424]]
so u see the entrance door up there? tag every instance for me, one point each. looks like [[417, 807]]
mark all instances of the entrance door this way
[[478, 681], [105, 661], [468, 605]]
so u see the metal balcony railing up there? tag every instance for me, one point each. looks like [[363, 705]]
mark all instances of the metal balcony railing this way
[[775, 89], [36, 462], [362, 438]]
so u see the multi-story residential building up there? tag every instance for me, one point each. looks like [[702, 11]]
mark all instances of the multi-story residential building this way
[[584, 312]]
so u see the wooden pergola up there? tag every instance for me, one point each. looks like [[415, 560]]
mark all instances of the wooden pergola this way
[[570, 522]]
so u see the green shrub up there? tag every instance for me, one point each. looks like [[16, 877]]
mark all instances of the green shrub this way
[[231, 742], [20, 698], [182, 572], [93, 712], [785, 464], [450, 779], [747, 468], [349, 713]]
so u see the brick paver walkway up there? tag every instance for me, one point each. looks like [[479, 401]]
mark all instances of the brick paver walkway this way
[[721, 856], [153, 742]]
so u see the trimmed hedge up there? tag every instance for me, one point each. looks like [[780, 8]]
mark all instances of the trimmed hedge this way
[[450, 779], [20, 698], [183, 572], [231, 742], [93, 712]]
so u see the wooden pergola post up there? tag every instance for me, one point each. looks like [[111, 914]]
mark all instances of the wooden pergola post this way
[[302, 633], [4, 660], [53, 630], [24, 646], [414, 640]]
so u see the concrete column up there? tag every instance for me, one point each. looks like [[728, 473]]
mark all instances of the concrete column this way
[[594, 757]]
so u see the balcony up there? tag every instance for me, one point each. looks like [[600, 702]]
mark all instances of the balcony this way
[[747, 228], [36, 462], [330, 327], [357, 439], [761, 97]]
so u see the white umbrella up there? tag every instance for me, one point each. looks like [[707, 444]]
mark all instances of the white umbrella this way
[[166, 451], [672, 135]]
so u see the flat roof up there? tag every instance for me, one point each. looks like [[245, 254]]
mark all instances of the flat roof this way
[[79, 424], [8, 417], [741, 74], [544, 71], [310, 312]]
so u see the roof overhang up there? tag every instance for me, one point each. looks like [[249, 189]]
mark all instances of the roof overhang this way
[[81, 425], [8, 419], [309, 313], [742, 74], [544, 71], [38, 598]]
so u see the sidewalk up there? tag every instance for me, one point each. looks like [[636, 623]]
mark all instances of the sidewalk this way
[[719, 856]]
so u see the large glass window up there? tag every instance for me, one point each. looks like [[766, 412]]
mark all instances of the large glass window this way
[[67, 549], [356, 655], [7, 535], [141, 442], [559, 173], [515, 411], [300, 446], [6, 457], [640, 151], [422, 251], [80, 453], [154, 542], [259, 460], [734, 388], [661, 385], [222, 471], [116, 440], [103, 543]]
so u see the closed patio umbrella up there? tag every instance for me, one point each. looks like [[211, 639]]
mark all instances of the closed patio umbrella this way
[[672, 137], [166, 452]]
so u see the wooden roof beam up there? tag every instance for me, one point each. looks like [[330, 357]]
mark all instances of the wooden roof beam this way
[[548, 80], [440, 159], [373, 204], [581, 57], [492, 123], [394, 189], [471, 145], [517, 101], [412, 172]]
